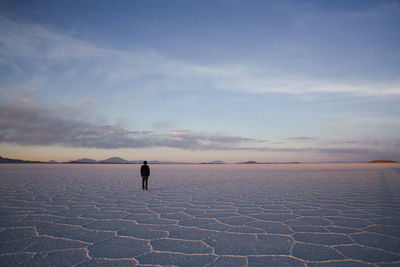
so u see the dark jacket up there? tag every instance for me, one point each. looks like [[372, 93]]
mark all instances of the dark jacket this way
[[145, 170]]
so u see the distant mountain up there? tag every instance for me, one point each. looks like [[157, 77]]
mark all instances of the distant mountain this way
[[382, 161], [119, 160], [255, 162], [163, 162], [249, 162], [85, 160], [114, 160], [214, 162], [82, 161], [7, 160]]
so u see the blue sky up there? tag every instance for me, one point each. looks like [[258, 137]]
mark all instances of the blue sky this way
[[200, 80]]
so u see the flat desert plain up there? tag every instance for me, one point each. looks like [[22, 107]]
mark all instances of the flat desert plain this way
[[200, 215]]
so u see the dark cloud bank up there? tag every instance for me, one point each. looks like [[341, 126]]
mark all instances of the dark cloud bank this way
[[35, 125], [27, 123]]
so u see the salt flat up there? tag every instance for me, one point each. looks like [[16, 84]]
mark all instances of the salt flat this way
[[195, 215]]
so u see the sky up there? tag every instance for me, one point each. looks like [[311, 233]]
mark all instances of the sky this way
[[231, 80]]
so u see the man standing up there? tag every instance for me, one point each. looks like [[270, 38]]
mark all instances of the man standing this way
[[145, 172]]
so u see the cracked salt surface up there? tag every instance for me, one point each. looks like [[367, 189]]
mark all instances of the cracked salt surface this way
[[200, 215]]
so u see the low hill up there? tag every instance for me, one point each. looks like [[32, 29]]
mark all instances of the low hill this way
[[382, 161], [214, 162], [256, 162], [114, 160], [7, 160], [118, 160], [84, 160]]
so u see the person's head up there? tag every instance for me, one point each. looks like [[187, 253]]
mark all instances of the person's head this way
[[144, 162]]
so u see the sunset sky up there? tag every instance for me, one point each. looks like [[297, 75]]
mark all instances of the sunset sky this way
[[232, 80]]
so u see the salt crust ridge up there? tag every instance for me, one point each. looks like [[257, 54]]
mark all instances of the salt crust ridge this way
[[272, 218]]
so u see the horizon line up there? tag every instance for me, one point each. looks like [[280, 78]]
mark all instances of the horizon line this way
[[172, 162]]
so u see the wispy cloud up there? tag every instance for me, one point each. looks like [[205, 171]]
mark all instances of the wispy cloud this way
[[324, 150], [368, 142], [36, 51], [301, 138], [84, 102]]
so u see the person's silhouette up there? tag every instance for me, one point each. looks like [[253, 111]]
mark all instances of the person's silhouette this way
[[145, 172]]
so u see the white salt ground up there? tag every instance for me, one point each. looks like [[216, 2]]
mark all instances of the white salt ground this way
[[200, 215]]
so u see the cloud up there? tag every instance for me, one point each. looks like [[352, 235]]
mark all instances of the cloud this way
[[84, 102], [251, 83], [33, 124], [301, 138], [34, 51], [368, 142], [327, 150]]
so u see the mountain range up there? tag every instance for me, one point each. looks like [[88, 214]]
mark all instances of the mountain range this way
[[118, 160], [6, 160], [382, 161], [112, 160]]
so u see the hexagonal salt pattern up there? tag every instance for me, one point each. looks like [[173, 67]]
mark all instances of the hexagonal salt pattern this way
[[200, 215]]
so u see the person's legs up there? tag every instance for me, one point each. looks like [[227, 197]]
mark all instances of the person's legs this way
[[146, 180], [143, 179]]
